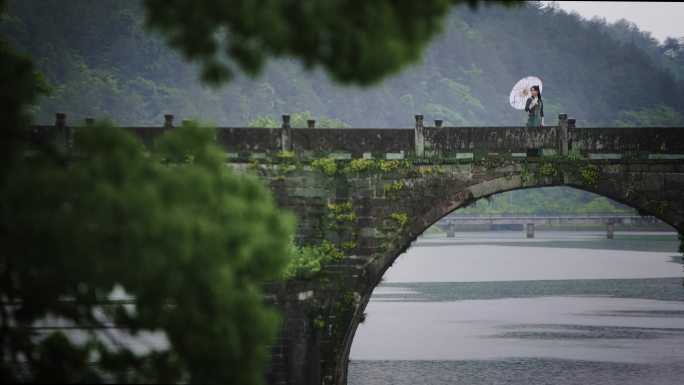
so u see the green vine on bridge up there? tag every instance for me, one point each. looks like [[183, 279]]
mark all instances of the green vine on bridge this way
[[572, 165], [341, 214], [391, 190], [344, 308], [331, 167], [327, 165], [307, 261], [590, 173], [524, 173], [659, 206], [392, 227], [337, 313], [548, 169], [400, 218]]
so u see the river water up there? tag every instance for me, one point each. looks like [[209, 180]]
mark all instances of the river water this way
[[497, 308]]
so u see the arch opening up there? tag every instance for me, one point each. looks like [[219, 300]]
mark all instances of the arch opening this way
[[394, 293]]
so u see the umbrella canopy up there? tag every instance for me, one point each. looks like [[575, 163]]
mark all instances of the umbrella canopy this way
[[521, 91]]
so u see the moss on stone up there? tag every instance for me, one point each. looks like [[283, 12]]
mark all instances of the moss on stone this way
[[548, 169]]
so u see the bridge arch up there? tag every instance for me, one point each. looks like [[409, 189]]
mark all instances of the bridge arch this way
[[471, 193], [627, 192]]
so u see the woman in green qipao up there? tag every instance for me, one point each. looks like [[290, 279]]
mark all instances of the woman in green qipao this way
[[535, 108]]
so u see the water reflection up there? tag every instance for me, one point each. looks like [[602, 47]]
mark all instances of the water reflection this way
[[512, 371], [521, 314]]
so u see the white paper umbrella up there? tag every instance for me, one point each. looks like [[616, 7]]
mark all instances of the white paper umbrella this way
[[521, 91]]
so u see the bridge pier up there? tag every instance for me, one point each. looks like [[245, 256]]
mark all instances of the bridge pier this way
[[450, 231], [609, 230], [530, 230]]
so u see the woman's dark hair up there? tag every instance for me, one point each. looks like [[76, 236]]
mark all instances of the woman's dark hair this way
[[536, 88]]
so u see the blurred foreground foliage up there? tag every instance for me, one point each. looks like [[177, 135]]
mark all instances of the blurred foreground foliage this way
[[102, 242], [184, 241], [355, 41]]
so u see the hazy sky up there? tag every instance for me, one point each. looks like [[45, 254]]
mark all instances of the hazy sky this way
[[661, 19]]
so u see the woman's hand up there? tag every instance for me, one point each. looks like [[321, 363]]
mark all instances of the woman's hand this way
[[542, 122]]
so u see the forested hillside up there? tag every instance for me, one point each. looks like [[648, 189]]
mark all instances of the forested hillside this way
[[546, 200], [103, 63]]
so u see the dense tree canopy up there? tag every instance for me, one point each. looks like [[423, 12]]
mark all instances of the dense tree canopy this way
[[189, 241], [185, 238]]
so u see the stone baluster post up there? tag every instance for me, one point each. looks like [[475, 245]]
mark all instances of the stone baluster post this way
[[419, 137], [62, 129], [438, 122], [286, 134], [311, 123], [168, 121], [562, 135], [530, 230]]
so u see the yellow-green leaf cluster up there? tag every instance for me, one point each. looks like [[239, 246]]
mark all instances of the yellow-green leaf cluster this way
[[327, 165]]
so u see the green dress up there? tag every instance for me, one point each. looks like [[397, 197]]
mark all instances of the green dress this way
[[535, 113]]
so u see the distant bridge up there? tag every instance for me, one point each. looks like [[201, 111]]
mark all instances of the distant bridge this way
[[451, 220]]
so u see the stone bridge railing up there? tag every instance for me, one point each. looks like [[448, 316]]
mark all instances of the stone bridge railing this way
[[436, 142]]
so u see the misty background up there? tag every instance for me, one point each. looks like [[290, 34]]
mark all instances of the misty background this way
[[101, 63]]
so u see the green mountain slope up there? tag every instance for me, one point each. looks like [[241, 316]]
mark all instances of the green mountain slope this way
[[101, 62]]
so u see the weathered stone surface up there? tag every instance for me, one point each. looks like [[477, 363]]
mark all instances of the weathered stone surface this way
[[425, 197], [613, 139], [266, 140], [488, 139], [357, 141]]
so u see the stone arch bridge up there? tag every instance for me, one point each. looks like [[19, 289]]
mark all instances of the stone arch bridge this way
[[369, 193]]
